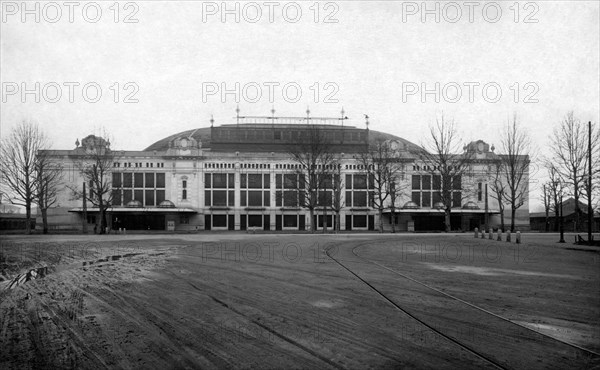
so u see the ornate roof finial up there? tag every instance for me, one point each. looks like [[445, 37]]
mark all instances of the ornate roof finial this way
[[367, 121], [77, 143], [212, 120]]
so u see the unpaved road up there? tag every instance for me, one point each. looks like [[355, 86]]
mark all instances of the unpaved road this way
[[278, 301]]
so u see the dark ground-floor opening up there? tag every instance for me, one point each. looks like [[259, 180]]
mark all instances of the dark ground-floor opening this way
[[138, 222]]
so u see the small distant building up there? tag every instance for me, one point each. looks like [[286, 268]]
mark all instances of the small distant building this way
[[538, 220]]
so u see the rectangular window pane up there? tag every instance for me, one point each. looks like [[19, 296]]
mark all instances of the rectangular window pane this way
[[301, 182], [327, 182], [290, 221], [348, 181], [456, 199], [126, 196], [426, 182], [360, 199], [116, 180], [219, 220], [267, 198], [456, 183], [127, 183], [149, 198], [116, 197], [219, 180], [255, 198], [160, 180], [267, 181], [279, 199], [150, 180], [207, 183], [255, 220], [139, 195], [138, 180], [231, 198], [437, 197], [359, 221], [278, 183], [243, 198], [348, 199], [290, 198], [437, 182], [290, 181], [416, 182], [207, 198], [243, 181], [184, 194], [160, 196], [219, 198], [426, 199], [416, 197], [360, 181], [255, 181], [231, 181]]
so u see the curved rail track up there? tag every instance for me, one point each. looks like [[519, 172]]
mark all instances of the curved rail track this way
[[485, 355]]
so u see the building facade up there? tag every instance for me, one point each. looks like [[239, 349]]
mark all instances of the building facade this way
[[242, 177]]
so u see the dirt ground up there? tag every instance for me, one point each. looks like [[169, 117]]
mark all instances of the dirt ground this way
[[235, 300]]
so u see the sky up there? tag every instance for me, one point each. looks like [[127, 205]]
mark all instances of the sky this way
[[161, 67]]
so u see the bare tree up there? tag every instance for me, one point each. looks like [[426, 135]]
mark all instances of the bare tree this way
[[382, 165], [49, 176], [516, 148], [498, 189], [314, 156], [569, 150], [547, 200], [555, 190], [337, 188], [18, 165], [94, 161], [443, 158]]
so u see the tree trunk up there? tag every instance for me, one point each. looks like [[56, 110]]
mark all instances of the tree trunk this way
[[311, 212], [393, 221], [513, 210], [337, 221], [502, 226], [380, 220], [28, 217], [45, 220], [447, 220]]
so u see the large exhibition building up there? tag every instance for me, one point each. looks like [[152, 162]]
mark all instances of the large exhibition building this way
[[241, 176]]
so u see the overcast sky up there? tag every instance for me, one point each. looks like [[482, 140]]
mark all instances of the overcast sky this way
[[367, 57]]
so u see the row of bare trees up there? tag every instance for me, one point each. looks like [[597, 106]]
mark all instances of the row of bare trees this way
[[29, 177], [383, 164], [568, 168]]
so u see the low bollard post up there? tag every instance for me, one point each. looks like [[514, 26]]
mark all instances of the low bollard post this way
[[518, 239], [508, 236], [482, 234], [476, 233], [499, 235], [491, 235]]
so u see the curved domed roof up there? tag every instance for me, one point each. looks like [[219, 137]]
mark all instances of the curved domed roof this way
[[166, 204], [410, 205], [203, 136]]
